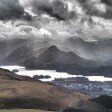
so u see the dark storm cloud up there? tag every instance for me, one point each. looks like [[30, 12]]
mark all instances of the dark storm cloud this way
[[90, 8], [57, 9], [108, 2], [11, 9]]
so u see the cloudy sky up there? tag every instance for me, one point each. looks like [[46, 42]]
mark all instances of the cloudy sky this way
[[57, 19]]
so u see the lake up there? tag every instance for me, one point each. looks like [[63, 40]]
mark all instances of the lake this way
[[53, 73]]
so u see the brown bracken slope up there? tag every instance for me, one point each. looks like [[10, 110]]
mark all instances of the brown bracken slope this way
[[25, 93]]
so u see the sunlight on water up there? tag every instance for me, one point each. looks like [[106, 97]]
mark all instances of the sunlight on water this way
[[99, 78], [52, 73], [12, 67]]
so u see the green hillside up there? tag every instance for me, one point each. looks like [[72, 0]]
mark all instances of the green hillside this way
[[23, 110]]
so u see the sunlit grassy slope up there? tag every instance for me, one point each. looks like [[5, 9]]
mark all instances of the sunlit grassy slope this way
[[23, 110], [25, 93]]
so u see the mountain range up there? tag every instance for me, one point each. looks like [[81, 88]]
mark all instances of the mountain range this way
[[43, 55], [99, 50]]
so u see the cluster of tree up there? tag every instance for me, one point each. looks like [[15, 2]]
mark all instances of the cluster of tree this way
[[37, 77]]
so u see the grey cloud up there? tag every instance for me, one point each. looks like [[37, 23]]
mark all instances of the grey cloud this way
[[108, 2], [57, 9], [90, 8], [11, 9]]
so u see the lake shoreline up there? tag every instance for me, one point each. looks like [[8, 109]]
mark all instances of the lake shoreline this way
[[52, 73]]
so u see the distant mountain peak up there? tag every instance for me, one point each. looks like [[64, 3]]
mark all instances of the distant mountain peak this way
[[53, 48]]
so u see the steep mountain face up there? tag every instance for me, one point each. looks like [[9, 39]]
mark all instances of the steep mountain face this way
[[53, 58], [24, 92], [38, 55], [8, 46], [47, 57], [99, 50], [27, 49], [35, 54]]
